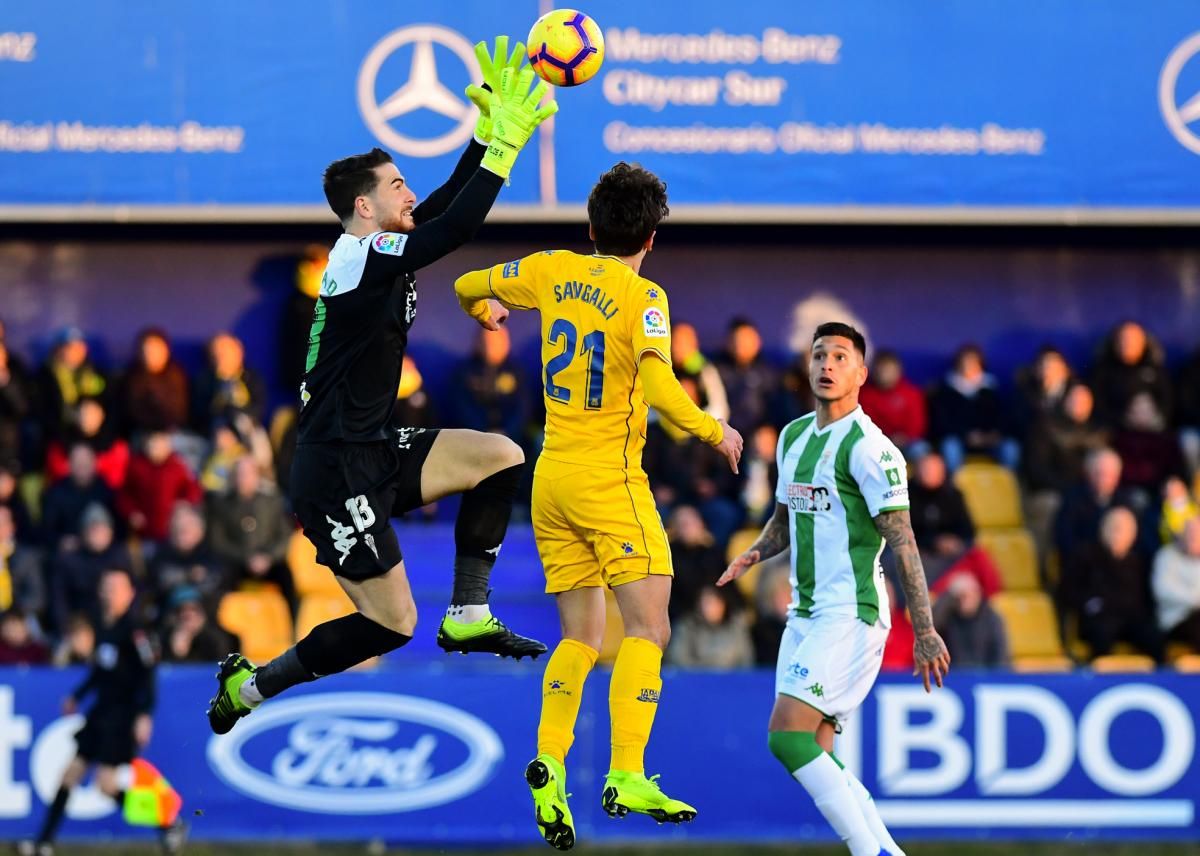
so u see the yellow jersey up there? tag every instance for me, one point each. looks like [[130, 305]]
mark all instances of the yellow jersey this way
[[598, 319]]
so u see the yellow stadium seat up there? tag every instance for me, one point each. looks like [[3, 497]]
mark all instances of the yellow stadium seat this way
[[1176, 650], [992, 496], [741, 541], [1122, 663], [1030, 622], [614, 629], [318, 608], [1027, 665], [260, 619], [1189, 663], [310, 577], [1014, 553]]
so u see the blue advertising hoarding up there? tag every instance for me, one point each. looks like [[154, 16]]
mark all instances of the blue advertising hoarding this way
[[429, 755], [1055, 110]]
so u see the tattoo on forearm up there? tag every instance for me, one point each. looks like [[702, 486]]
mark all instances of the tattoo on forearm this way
[[896, 529], [775, 535]]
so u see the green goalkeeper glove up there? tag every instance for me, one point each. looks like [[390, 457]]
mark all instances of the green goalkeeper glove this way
[[515, 116], [490, 68]]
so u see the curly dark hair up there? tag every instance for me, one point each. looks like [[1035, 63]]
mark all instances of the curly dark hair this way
[[349, 178], [625, 207]]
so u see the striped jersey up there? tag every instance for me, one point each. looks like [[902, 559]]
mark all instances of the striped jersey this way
[[834, 481]]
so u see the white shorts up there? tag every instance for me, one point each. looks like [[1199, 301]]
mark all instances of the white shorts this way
[[830, 663]]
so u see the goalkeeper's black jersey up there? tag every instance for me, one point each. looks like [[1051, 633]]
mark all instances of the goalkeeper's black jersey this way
[[368, 302]]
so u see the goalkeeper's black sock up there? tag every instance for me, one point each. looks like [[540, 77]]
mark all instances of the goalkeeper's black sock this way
[[478, 533], [54, 816]]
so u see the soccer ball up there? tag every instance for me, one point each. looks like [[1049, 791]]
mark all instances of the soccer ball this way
[[566, 48]]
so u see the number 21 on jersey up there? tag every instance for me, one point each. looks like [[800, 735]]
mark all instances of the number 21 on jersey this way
[[590, 347]]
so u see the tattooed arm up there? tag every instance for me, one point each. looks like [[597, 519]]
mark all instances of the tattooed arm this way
[[929, 652], [773, 540]]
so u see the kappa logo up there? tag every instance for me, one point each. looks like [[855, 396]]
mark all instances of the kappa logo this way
[[495, 551], [343, 538], [404, 437], [817, 690], [648, 695], [886, 457]]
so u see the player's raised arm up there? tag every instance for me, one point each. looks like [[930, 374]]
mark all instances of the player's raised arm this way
[[490, 69], [483, 294], [772, 541], [930, 656]]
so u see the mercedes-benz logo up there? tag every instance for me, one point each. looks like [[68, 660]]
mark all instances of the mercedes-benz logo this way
[[422, 91], [1180, 117]]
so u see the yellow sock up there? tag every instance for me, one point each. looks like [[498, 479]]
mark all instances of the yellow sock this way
[[633, 701], [562, 691]]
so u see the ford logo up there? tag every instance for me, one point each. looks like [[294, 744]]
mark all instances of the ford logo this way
[[357, 753]]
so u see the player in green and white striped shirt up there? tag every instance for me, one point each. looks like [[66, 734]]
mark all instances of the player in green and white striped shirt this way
[[842, 493]]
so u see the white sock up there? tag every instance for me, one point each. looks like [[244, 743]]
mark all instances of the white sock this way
[[867, 805], [466, 614], [823, 780], [249, 694]]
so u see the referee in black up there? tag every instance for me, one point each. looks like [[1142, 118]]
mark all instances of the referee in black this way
[[119, 723]]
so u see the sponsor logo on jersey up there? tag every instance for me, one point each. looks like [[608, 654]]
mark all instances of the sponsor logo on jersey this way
[[654, 323], [511, 269], [897, 493], [358, 753], [808, 498], [390, 243], [798, 671], [893, 476]]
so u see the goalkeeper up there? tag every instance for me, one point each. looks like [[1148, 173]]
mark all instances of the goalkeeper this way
[[353, 470]]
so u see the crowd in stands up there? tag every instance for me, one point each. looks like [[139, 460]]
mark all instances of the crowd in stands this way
[[1089, 509]]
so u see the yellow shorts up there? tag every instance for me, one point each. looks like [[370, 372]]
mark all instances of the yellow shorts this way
[[596, 526]]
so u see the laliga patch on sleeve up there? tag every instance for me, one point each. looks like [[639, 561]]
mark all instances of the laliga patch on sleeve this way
[[654, 323], [510, 269], [389, 243]]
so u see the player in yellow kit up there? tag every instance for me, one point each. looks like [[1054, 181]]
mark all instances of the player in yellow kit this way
[[606, 357]]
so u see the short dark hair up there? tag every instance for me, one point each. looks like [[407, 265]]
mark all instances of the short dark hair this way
[[838, 328], [625, 207], [349, 178]]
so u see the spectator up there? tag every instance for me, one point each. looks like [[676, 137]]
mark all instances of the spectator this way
[[1176, 584], [1130, 362], [16, 402], [966, 415], [685, 470], [10, 498], [750, 381], [190, 636], [414, 407], [225, 384], [78, 642], [154, 392], [773, 607], [490, 393], [1043, 387], [689, 362], [298, 315], [22, 580], [1149, 452], [1078, 521], [77, 569], [759, 474], [1179, 506], [697, 560], [973, 632], [896, 405], [1106, 587], [1056, 447], [249, 532], [795, 398], [63, 503], [186, 560], [157, 480], [713, 635], [898, 650], [67, 376], [18, 647], [1187, 412], [234, 436], [90, 426]]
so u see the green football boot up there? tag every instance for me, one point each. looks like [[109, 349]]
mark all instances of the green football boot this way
[[625, 792], [486, 636], [547, 781], [227, 707]]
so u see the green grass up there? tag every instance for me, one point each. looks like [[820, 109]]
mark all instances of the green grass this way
[[940, 849]]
